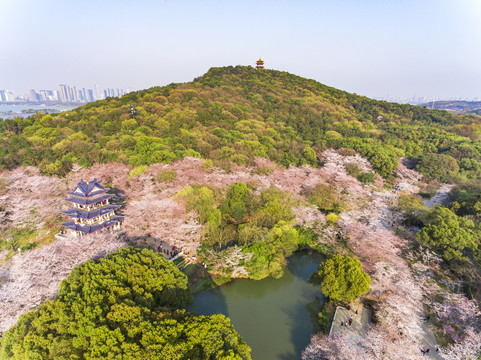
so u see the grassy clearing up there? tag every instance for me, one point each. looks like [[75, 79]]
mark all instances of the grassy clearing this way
[[27, 238]]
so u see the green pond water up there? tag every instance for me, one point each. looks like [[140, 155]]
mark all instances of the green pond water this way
[[275, 317]]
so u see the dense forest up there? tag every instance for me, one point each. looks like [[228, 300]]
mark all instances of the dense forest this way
[[232, 114]]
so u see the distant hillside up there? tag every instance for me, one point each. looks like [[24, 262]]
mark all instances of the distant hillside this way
[[232, 114], [465, 107]]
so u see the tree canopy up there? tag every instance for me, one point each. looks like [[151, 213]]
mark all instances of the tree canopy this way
[[126, 306], [260, 224], [449, 234], [342, 278]]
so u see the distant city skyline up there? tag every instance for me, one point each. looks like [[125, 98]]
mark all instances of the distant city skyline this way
[[376, 49], [65, 94]]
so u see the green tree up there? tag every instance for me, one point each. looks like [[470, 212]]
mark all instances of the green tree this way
[[129, 125], [310, 155], [449, 234], [235, 208], [366, 178], [325, 197], [125, 306], [342, 278], [437, 166]]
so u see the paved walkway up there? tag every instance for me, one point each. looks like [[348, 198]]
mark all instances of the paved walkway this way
[[441, 195], [429, 342], [154, 243], [359, 320]]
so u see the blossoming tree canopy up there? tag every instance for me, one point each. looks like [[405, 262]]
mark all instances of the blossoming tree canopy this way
[[126, 306]]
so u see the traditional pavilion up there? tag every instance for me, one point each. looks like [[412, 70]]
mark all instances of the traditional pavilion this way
[[91, 210], [260, 64]]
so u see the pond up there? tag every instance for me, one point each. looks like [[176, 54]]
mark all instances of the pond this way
[[275, 317]]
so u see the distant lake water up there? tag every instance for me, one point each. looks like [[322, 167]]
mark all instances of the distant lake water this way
[[11, 111], [275, 317]]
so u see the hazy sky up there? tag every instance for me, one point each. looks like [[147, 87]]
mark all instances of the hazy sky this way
[[371, 47]]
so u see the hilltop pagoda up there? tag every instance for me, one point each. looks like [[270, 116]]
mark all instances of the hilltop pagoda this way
[[91, 210], [260, 64]]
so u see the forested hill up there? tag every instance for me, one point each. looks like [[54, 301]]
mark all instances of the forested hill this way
[[232, 114]]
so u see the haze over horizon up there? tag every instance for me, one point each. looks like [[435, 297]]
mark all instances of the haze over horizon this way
[[423, 48]]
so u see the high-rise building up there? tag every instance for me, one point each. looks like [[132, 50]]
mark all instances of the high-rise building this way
[[64, 96], [70, 94], [42, 95], [32, 96], [2, 96], [98, 95], [9, 95], [90, 95], [47, 95], [109, 93], [75, 94]]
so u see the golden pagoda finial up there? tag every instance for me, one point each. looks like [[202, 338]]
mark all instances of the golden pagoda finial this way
[[260, 64]]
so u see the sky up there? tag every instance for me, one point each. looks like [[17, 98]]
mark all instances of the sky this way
[[397, 48]]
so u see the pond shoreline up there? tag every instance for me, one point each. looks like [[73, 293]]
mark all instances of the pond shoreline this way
[[207, 279], [275, 317]]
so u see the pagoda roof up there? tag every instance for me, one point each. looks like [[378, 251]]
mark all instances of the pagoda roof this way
[[88, 201], [85, 214], [88, 229], [88, 188]]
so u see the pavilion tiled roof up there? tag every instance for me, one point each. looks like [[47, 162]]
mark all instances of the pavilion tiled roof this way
[[89, 200], [88, 229], [84, 214], [88, 189]]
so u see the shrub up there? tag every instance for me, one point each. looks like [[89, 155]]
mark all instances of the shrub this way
[[346, 152], [326, 316], [240, 159], [165, 176], [264, 170], [366, 178], [29, 246], [353, 169], [207, 164], [332, 219], [138, 170], [331, 134], [325, 197]]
